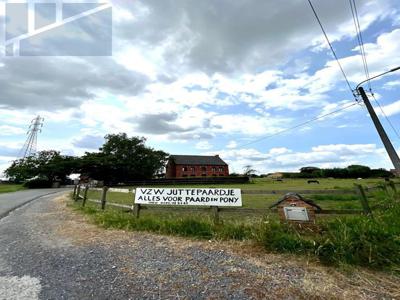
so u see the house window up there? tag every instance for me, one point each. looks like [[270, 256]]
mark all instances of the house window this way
[[192, 169], [214, 169], [184, 169], [221, 169], [204, 169]]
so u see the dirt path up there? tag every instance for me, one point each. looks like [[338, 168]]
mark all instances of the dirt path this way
[[59, 255]]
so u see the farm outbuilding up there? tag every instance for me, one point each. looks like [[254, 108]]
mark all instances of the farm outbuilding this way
[[179, 166]]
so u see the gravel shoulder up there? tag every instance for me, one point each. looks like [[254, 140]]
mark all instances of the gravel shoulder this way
[[49, 251]]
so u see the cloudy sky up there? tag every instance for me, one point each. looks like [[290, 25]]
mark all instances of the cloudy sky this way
[[207, 77]]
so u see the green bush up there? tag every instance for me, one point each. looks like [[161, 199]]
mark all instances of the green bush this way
[[37, 184]]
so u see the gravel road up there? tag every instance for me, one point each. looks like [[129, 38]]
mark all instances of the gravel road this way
[[47, 251]]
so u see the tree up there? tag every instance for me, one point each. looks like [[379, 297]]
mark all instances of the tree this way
[[248, 170], [381, 173], [48, 165], [356, 171], [122, 159], [309, 170]]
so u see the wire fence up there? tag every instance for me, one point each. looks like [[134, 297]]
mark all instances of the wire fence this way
[[81, 193]]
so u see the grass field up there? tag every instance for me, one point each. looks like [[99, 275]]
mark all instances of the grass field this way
[[290, 184], [347, 201], [8, 188]]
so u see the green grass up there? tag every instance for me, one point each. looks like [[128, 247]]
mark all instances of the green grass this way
[[9, 188], [289, 184], [188, 225], [350, 240]]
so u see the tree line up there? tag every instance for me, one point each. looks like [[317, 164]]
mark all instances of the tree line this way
[[352, 171], [120, 159]]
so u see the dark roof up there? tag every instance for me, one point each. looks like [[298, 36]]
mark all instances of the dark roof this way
[[197, 160], [308, 201]]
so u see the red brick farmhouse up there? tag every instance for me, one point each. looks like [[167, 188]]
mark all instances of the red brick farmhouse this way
[[179, 166]]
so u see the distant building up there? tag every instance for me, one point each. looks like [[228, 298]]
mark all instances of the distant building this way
[[276, 175], [180, 166]]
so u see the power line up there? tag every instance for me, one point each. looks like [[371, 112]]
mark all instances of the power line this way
[[354, 13], [298, 125], [356, 20], [330, 46]]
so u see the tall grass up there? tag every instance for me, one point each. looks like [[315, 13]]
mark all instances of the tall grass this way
[[187, 226], [353, 240]]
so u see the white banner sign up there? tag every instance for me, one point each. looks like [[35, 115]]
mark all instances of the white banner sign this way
[[189, 196]]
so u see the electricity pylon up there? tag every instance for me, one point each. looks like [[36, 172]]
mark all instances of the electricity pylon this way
[[30, 145]]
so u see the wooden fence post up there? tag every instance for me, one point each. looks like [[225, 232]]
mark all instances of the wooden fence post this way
[[215, 214], [74, 194], [104, 197], [136, 210], [78, 190], [85, 196], [364, 200]]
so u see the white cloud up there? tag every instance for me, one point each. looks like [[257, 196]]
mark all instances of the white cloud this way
[[391, 84], [390, 109], [231, 145], [279, 151], [10, 130], [247, 124], [190, 71], [92, 142], [284, 159], [204, 145], [234, 37]]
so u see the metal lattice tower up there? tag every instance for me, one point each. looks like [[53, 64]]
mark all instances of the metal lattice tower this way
[[30, 145]]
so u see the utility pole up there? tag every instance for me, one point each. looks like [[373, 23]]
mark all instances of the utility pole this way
[[381, 131], [385, 139]]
